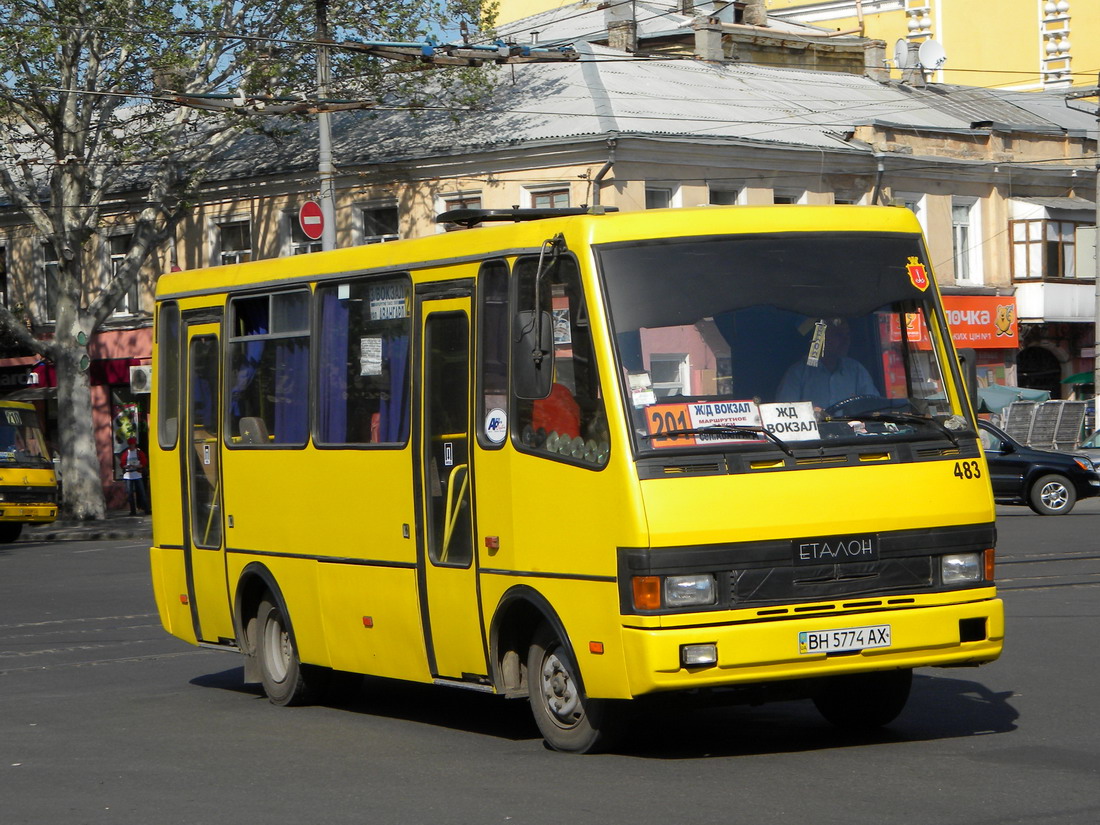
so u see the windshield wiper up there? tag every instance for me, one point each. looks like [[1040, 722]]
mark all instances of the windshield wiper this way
[[724, 429], [899, 418]]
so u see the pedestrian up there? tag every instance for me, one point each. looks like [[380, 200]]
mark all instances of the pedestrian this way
[[134, 463]]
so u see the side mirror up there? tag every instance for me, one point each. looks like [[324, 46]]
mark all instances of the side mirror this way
[[532, 354], [968, 366]]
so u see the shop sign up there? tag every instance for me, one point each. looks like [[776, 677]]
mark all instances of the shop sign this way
[[982, 321]]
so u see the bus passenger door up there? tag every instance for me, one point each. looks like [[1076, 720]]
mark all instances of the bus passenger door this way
[[206, 584], [449, 592]]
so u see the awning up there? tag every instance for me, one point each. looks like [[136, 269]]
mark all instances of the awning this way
[[1080, 378], [997, 397]]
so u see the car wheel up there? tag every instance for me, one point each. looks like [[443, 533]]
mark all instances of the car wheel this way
[[568, 720], [1052, 495]]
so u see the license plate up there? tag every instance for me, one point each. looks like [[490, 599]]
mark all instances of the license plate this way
[[844, 639]]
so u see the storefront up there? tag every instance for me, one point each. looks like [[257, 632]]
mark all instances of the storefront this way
[[988, 325], [118, 409]]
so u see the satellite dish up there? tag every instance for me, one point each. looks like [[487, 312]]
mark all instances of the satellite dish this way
[[931, 55], [901, 54]]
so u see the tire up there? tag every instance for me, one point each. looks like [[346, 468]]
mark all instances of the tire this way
[[10, 531], [568, 720], [285, 679], [1052, 495], [864, 701]]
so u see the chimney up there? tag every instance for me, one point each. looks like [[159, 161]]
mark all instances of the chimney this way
[[687, 7], [623, 35], [913, 73], [622, 28], [874, 61], [708, 39], [755, 14]]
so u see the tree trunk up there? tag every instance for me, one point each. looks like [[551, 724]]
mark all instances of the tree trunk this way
[[83, 490]]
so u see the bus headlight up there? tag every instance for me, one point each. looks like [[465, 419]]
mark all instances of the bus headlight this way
[[957, 568], [686, 591]]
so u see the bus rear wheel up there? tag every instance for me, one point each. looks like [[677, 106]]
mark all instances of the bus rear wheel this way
[[285, 679], [864, 701], [568, 720]]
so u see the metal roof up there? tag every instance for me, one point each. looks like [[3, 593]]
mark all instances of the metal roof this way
[[608, 91]]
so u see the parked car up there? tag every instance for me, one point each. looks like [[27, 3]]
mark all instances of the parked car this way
[[1090, 448], [1049, 482]]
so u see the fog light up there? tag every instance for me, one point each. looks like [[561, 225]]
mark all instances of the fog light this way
[[957, 568], [685, 591], [698, 655]]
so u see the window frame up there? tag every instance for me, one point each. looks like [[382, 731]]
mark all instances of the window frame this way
[[403, 276], [1066, 251], [231, 339], [218, 226]]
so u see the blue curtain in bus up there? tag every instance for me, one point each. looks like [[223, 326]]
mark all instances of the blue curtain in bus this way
[[292, 386], [333, 389], [246, 371], [392, 423]]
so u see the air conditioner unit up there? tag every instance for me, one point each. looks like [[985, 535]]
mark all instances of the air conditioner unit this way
[[141, 379]]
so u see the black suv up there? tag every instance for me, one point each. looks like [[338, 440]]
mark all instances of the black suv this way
[[1048, 482]]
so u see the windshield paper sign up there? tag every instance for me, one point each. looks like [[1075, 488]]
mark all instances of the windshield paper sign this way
[[793, 421], [667, 423]]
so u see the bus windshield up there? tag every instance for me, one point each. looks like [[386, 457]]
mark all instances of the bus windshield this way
[[21, 442], [773, 341]]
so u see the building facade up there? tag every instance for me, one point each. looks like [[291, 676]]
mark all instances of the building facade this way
[[1000, 183]]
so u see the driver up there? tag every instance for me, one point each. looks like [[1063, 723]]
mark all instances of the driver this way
[[830, 378]]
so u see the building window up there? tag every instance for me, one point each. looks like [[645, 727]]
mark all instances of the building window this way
[[657, 198], [460, 200], [1043, 249], [233, 242], [966, 240], [724, 196], [300, 242], [51, 266], [380, 223], [549, 198], [670, 374], [118, 246], [788, 196]]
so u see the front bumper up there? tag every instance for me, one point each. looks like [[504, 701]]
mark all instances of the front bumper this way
[[29, 513], [765, 651]]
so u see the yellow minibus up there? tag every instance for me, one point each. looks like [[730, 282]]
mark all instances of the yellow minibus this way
[[28, 483], [579, 457]]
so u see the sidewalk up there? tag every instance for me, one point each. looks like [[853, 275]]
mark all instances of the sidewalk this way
[[119, 524]]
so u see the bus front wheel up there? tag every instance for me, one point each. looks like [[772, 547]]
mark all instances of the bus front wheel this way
[[285, 679], [10, 531], [568, 720], [864, 701]]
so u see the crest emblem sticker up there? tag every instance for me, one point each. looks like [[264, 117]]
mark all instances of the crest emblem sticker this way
[[918, 275]]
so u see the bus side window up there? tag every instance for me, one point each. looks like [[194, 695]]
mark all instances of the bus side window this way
[[569, 422], [492, 364], [168, 364], [269, 369], [363, 362]]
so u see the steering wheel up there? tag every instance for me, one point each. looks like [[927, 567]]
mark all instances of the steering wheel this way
[[839, 406]]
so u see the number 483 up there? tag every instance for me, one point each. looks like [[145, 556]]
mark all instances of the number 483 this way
[[968, 469]]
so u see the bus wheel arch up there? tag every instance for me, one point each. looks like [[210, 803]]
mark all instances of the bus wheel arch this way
[[532, 656], [519, 615], [266, 637]]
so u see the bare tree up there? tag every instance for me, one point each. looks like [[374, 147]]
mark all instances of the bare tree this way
[[89, 119]]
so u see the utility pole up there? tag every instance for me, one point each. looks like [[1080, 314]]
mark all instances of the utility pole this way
[[325, 170], [1095, 274]]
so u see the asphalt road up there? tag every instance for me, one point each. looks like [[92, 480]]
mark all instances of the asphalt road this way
[[105, 718]]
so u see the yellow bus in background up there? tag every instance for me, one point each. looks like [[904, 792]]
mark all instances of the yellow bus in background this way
[[579, 458], [28, 484]]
